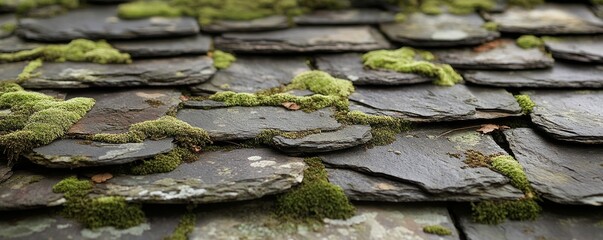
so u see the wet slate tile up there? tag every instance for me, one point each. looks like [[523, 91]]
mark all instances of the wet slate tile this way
[[101, 22], [152, 72], [347, 137], [432, 103], [560, 172], [304, 39], [505, 54], [168, 47], [254, 73], [254, 25], [574, 116], [6, 20], [425, 158], [349, 66], [443, 30], [247, 122], [30, 189], [74, 153], [582, 49], [114, 111], [14, 44], [549, 18], [360, 16], [561, 75]]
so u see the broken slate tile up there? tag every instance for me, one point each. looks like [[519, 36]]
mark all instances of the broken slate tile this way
[[14, 44], [362, 16], [304, 39], [247, 122], [432, 103], [349, 66], [346, 137], [430, 159], [443, 30], [574, 116], [582, 49], [27, 189], [254, 25], [101, 22], [561, 75], [254, 73], [560, 172], [548, 18], [5, 21], [74, 153], [114, 111], [505, 54], [167, 47]]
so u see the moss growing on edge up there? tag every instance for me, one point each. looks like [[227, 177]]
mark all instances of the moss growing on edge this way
[[185, 226], [459, 7], [322, 83], [490, 26], [526, 3], [24, 6], [78, 50], [438, 230], [222, 60], [324, 4], [29, 69], [145, 9], [495, 212], [383, 128], [72, 186], [529, 41], [526, 103], [508, 166], [162, 163]]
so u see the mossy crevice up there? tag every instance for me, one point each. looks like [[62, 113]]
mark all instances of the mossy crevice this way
[[437, 230], [526, 103], [78, 50], [266, 136], [28, 71], [384, 129], [186, 225], [161, 163], [222, 60], [529, 41], [495, 212], [503, 164]]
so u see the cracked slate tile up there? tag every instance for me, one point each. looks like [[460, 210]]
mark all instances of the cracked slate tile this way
[[561, 172], [304, 39], [347, 137], [254, 25], [361, 16], [582, 49], [6, 20], [167, 47], [101, 22]]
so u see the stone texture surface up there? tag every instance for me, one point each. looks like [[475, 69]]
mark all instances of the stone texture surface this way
[[254, 73], [506, 55], [549, 18], [74, 153], [430, 103], [345, 17], [15, 44], [4, 20], [349, 66], [444, 30], [574, 116], [426, 159], [30, 189], [101, 22], [168, 47], [582, 49], [346, 137], [560, 172], [115, 111], [304, 39], [247, 122], [262, 24], [5, 171], [561, 75]]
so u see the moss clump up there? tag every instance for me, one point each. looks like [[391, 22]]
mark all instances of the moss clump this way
[[495, 212], [144, 9], [438, 230], [525, 102], [460, 7], [508, 166], [322, 83], [8, 27], [315, 198], [185, 226], [490, 26], [529, 41], [24, 6], [72, 186], [265, 137], [222, 60], [383, 128], [78, 50], [29, 69], [526, 3], [409, 60], [163, 163], [324, 4]]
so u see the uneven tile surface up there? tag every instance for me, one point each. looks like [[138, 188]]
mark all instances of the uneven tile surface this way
[[193, 45], [346, 137], [345, 17], [583, 49]]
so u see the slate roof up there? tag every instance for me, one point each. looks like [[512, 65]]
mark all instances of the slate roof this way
[[419, 179]]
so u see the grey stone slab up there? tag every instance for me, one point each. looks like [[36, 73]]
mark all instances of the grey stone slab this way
[[506, 55], [254, 25], [561, 75], [27, 189], [236, 175], [101, 22], [346, 137], [204, 104], [574, 116], [247, 122], [432, 103], [304, 39], [4, 20], [560, 172], [349, 66], [443, 30], [425, 159], [345, 17], [168, 47], [14, 44], [549, 18], [114, 111], [254, 73], [582, 49]]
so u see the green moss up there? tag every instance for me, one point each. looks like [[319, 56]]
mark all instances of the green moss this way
[[460, 7], [29, 69], [24, 6], [78, 50], [495, 212], [490, 26], [384, 129], [409, 60], [265, 137], [324, 4], [162, 163], [8, 27], [322, 83], [145, 9], [306, 103], [508, 166], [72, 186], [525, 102], [222, 60], [526, 3], [437, 229], [529, 41], [184, 228]]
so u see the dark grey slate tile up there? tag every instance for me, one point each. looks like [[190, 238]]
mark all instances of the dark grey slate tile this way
[[361, 16], [28, 189], [255, 25], [6, 20], [347, 137], [168, 47], [14, 44], [582, 49]]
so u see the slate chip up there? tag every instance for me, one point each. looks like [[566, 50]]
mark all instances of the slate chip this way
[[254, 25], [581, 49], [346, 137], [361, 16], [168, 47]]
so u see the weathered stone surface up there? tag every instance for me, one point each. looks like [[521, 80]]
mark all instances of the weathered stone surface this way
[[14, 44], [168, 47], [561, 75], [254, 73], [153, 72], [345, 17], [247, 122], [5, 171], [346, 137], [430, 103], [575, 116], [204, 104], [598, 9], [26, 189], [426, 158], [506, 55], [560, 172], [443, 30], [349, 66], [583, 49], [6, 19], [73, 153], [101, 22], [114, 111], [305, 39], [261, 24], [216, 177], [549, 18]]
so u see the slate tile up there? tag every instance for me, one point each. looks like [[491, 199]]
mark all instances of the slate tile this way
[[581, 49], [361, 16], [347, 137], [6, 20], [168, 47], [14, 44], [255, 25]]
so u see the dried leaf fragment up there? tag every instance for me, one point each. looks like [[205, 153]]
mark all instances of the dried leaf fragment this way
[[291, 106], [488, 128], [101, 177]]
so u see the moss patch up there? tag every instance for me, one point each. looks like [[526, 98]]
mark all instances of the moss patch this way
[[529, 41], [29, 69], [437, 229], [490, 26], [185, 226], [8, 27], [144, 9], [322, 83], [162, 163], [24, 6], [508, 166], [383, 128], [495, 212], [526, 103], [222, 60], [459, 7], [265, 137], [78, 50], [526, 3]]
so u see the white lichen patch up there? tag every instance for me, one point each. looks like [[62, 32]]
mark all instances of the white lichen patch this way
[[466, 138], [122, 149], [449, 35], [25, 227], [78, 74], [149, 95], [254, 158], [113, 233], [182, 192], [348, 222], [263, 163]]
